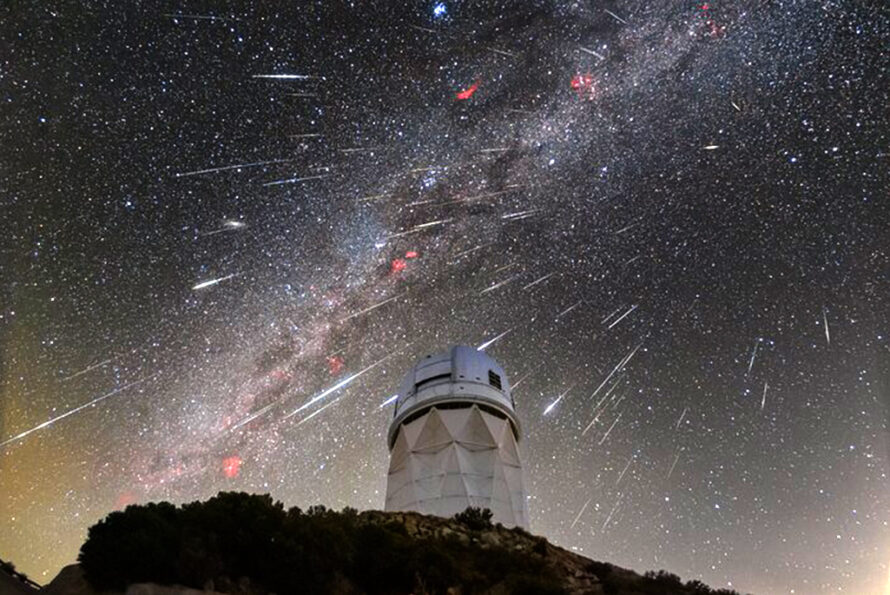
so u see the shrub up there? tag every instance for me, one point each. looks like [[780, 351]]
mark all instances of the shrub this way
[[663, 576], [236, 537], [139, 544], [475, 519]]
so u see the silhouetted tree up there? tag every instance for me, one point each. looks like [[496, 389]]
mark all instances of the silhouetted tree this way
[[475, 519], [236, 536], [139, 544]]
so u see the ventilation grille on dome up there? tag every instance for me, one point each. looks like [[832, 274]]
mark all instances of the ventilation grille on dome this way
[[494, 380]]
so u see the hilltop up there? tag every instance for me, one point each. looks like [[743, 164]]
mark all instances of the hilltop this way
[[250, 545]]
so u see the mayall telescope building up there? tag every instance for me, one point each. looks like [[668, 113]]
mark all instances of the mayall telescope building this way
[[454, 440]]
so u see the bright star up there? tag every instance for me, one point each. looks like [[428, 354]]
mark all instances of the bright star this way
[[439, 9]]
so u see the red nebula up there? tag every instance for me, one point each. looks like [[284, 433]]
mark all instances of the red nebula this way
[[124, 500], [411, 254], [335, 364], [231, 466], [715, 29], [583, 84], [279, 375], [398, 265], [467, 93]]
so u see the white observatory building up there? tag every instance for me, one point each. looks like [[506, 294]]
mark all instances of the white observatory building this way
[[454, 440]]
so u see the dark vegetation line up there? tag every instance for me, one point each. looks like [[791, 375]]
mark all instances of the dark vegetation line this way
[[238, 542]]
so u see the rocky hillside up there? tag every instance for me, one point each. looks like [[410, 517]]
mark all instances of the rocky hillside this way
[[13, 582], [249, 545]]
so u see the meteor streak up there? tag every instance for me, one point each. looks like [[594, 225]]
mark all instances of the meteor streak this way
[[227, 226], [314, 413], [825, 321], [92, 403], [204, 284], [374, 197], [620, 365], [569, 309], [497, 285], [682, 415], [618, 309], [524, 376], [417, 228], [213, 170], [614, 508], [753, 355], [374, 307], [591, 52], [203, 17], [626, 467], [295, 180], [674, 464], [361, 149], [345, 382], [470, 251], [519, 215], [539, 280], [491, 342], [616, 17], [388, 401], [87, 369], [580, 512], [609, 431], [252, 417], [502, 52], [558, 399], [620, 318], [284, 77]]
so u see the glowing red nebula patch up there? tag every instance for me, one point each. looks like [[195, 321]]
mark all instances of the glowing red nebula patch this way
[[467, 93], [232, 466], [411, 254], [398, 265], [715, 29], [583, 84], [124, 500], [279, 375], [335, 364]]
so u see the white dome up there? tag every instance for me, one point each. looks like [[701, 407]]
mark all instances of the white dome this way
[[454, 440], [461, 374]]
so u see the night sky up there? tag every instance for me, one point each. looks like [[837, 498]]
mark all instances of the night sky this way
[[227, 233]]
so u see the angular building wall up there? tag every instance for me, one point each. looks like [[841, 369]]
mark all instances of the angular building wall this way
[[454, 440]]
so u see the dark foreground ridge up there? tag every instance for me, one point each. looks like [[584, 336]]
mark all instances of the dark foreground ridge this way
[[248, 544]]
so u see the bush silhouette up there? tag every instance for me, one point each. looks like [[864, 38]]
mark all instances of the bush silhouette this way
[[137, 545], [475, 519], [243, 542], [237, 537]]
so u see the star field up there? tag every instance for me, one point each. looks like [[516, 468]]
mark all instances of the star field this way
[[228, 233]]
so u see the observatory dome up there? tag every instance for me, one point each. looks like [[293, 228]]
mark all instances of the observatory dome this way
[[454, 439]]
